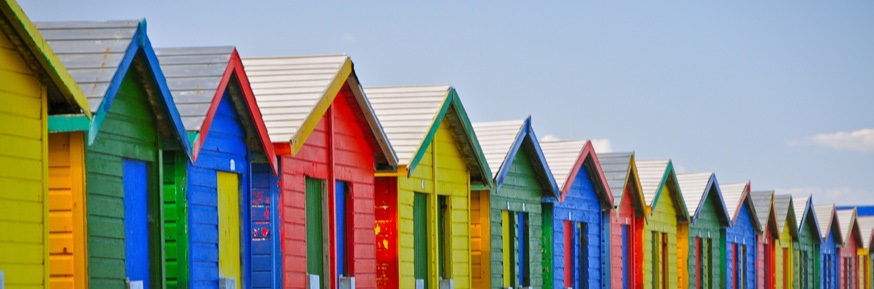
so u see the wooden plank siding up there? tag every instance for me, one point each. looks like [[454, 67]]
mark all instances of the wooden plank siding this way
[[707, 228], [829, 260], [336, 150], [663, 219], [742, 233], [66, 210], [784, 257], [625, 215], [849, 259], [807, 257]]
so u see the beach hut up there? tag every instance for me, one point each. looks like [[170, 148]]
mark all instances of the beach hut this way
[[768, 239], [35, 87], [231, 153], [832, 238], [627, 220], [423, 209], [329, 144], [741, 238], [863, 252], [576, 223], [849, 252], [135, 123], [506, 223], [809, 240], [663, 246], [706, 265], [785, 247]]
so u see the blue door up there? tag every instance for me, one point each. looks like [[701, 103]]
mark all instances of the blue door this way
[[340, 212], [136, 223]]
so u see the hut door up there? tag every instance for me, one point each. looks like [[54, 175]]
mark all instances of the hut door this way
[[626, 251], [522, 250], [582, 256], [136, 221], [507, 239], [315, 247], [420, 237], [664, 260], [229, 226], [340, 212]]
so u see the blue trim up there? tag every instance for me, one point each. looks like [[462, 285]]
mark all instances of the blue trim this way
[[808, 211], [136, 228], [526, 131], [139, 41], [711, 184], [340, 216]]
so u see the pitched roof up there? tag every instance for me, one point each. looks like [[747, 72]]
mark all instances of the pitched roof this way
[[762, 201], [657, 173], [410, 116], [198, 78], [849, 225], [826, 215], [501, 142], [99, 54], [620, 169], [866, 225], [567, 157], [696, 187], [785, 212], [733, 195], [295, 92], [31, 45]]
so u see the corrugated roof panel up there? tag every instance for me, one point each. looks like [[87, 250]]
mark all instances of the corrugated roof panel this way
[[91, 51], [732, 194], [762, 203], [193, 75], [800, 205], [824, 214], [288, 88], [616, 168], [496, 139], [406, 114], [651, 174], [845, 219], [561, 157], [866, 225], [694, 187], [781, 207]]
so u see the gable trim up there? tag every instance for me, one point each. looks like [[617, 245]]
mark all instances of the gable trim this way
[[309, 124], [526, 131]]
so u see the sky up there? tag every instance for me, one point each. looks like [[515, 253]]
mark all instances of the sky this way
[[777, 93]]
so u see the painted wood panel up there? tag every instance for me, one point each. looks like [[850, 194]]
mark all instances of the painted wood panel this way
[[849, 260], [660, 267], [627, 249], [138, 265], [229, 226], [176, 219], [314, 230], [807, 253], [265, 247], [706, 227], [24, 248], [784, 258], [67, 211], [743, 233], [829, 261]]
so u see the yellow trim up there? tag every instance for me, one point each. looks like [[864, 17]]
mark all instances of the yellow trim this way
[[400, 172], [309, 124], [44, 116]]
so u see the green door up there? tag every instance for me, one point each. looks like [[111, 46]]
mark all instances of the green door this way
[[420, 237], [315, 250]]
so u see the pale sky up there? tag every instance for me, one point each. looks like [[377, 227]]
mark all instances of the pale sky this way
[[779, 93]]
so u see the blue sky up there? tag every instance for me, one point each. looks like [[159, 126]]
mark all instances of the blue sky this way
[[778, 93]]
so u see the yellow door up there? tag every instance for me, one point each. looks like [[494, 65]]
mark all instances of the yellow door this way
[[229, 226], [67, 211]]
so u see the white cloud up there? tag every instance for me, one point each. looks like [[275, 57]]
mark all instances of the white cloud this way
[[600, 145], [549, 137], [347, 37], [837, 195], [858, 141]]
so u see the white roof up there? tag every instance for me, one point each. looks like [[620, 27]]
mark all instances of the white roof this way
[[866, 224], [845, 218], [496, 139], [731, 195], [288, 88], [651, 173], [693, 187], [406, 114], [824, 214], [800, 204], [561, 157]]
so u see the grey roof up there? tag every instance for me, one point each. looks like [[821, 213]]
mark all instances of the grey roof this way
[[731, 195], [289, 88], [651, 174], [825, 215], [866, 225], [496, 139], [193, 75], [561, 157], [800, 206], [91, 51], [617, 170], [782, 204], [694, 187], [762, 202], [845, 222], [406, 114]]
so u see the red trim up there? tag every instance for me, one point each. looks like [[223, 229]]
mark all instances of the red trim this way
[[588, 152]]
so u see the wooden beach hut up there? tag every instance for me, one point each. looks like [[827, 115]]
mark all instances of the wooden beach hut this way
[[506, 223], [807, 260], [785, 247], [706, 264], [849, 251], [741, 238], [329, 144], [35, 87], [225, 184], [766, 259], [863, 252], [626, 221], [829, 249], [664, 248], [423, 209], [135, 124], [576, 223]]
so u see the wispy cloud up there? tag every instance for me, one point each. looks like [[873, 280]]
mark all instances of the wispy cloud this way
[[601, 145], [858, 141], [836, 195], [347, 37]]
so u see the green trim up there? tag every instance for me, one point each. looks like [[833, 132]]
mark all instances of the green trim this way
[[429, 136], [45, 56], [678, 196], [69, 123]]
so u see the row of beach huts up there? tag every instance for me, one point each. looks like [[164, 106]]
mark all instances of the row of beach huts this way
[[128, 166]]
